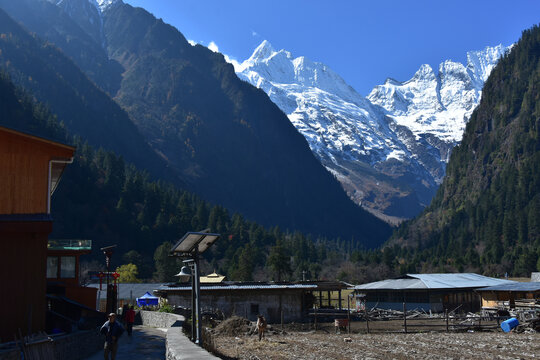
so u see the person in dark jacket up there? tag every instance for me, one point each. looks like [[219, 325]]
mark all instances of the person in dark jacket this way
[[129, 319], [112, 331]]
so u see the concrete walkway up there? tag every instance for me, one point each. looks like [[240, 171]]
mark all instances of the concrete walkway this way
[[146, 343]]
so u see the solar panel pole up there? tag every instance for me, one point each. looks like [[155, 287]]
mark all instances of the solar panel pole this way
[[193, 297], [198, 340]]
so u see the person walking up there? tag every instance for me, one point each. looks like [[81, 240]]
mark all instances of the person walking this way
[[112, 331], [130, 319]]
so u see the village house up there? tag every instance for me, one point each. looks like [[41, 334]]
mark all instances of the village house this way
[[247, 299], [427, 292], [30, 169]]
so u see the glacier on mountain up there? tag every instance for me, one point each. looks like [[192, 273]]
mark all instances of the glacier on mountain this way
[[388, 150]]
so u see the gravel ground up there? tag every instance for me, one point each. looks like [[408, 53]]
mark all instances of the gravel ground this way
[[323, 345]]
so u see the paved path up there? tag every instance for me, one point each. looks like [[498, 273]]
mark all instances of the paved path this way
[[146, 344]]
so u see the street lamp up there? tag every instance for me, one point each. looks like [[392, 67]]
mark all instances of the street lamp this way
[[184, 274], [191, 245]]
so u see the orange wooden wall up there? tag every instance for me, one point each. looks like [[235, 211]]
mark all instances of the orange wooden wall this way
[[24, 166]]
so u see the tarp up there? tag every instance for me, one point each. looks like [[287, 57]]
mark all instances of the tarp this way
[[147, 299]]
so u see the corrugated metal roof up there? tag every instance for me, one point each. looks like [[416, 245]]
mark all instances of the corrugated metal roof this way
[[241, 287], [518, 286], [434, 281], [394, 284], [463, 280]]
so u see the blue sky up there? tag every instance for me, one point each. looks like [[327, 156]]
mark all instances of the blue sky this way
[[363, 41]]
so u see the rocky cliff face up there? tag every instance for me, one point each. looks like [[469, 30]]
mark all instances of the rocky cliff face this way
[[388, 150]]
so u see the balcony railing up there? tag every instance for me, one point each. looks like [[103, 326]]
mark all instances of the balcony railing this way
[[69, 244]]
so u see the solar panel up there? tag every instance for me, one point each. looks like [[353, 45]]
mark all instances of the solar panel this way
[[194, 240]]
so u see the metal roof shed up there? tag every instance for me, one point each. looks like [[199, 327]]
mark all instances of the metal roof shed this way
[[430, 292]]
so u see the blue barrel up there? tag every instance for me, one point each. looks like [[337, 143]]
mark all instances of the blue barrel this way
[[509, 324]]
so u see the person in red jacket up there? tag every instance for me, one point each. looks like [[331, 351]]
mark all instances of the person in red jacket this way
[[130, 319]]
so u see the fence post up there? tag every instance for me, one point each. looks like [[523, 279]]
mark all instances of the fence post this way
[[480, 321], [446, 313], [405, 317], [367, 318], [315, 318], [348, 312]]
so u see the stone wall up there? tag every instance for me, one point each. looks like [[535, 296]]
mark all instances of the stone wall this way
[[178, 346], [160, 319], [77, 345]]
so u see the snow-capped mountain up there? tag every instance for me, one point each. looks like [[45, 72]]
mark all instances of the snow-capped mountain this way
[[388, 150]]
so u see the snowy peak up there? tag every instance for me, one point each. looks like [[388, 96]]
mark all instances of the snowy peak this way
[[480, 63], [281, 67], [262, 52], [104, 4], [425, 73], [438, 104]]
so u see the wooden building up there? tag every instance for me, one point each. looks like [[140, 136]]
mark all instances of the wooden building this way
[[428, 292], [247, 299], [30, 169], [510, 295], [63, 271]]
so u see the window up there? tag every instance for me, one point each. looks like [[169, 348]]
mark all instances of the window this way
[[67, 267], [52, 267]]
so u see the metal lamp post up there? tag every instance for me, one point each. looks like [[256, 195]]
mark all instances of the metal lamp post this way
[[111, 290], [186, 273], [191, 245]]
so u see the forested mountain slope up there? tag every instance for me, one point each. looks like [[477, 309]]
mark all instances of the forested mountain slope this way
[[486, 214], [53, 79], [82, 42]]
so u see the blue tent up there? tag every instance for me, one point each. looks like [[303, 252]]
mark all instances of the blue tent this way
[[147, 299]]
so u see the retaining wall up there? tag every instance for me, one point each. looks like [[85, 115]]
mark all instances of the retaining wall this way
[[77, 345], [178, 346]]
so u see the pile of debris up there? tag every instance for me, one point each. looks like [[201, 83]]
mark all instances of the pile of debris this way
[[236, 325], [529, 326], [233, 326], [389, 314]]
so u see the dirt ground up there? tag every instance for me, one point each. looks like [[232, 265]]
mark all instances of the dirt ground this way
[[325, 344]]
